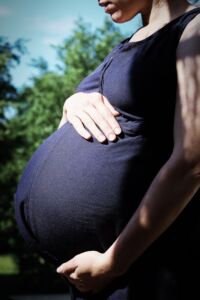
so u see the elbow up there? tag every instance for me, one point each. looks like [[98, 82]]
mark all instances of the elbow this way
[[188, 163], [193, 168]]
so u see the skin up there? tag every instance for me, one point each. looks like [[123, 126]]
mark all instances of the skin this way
[[179, 178], [86, 111]]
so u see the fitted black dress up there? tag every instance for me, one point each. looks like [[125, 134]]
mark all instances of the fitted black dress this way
[[77, 195]]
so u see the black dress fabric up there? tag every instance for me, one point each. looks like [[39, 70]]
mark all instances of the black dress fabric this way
[[77, 195]]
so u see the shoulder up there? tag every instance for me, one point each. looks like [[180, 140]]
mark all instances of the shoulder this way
[[188, 64], [189, 43], [187, 116]]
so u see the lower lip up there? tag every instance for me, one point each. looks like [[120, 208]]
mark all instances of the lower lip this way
[[109, 8]]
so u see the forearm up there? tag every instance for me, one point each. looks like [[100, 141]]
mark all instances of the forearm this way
[[170, 191]]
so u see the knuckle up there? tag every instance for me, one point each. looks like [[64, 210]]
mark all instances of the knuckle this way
[[72, 119], [96, 97], [107, 131], [79, 128], [105, 127], [80, 115], [115, 125], [84, 102], [88, 107], [92, 99], [108, 115], [99, 120], [89, 123]]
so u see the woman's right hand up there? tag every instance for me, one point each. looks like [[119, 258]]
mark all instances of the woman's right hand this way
[[91, 114]]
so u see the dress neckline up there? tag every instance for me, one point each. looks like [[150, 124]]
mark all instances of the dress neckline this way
[[127, 42]]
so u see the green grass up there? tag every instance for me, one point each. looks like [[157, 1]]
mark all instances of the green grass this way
[[8, 265]]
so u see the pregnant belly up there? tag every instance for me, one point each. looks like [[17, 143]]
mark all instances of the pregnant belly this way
[[80, 194]]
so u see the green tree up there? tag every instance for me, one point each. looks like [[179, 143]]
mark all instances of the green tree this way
[[85, 49], [9, 57]]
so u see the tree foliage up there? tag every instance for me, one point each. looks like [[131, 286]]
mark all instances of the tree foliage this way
[[9, 57]]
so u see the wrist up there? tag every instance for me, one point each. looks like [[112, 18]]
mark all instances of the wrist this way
[[117, 265]]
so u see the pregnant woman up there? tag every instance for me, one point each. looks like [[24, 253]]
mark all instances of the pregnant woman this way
[[112, 196]]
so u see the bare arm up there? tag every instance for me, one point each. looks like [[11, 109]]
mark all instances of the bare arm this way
[[179, 179]]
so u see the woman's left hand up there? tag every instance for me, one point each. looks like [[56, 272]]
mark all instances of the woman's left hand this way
[[89, 271]]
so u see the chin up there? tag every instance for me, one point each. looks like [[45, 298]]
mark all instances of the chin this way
[[120, 19]]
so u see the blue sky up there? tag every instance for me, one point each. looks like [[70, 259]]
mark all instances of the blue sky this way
[[44, 23]]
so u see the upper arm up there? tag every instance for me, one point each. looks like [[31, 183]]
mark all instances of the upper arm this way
[[187, 114]]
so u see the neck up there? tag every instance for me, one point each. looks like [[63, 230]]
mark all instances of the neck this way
[[168, 9]]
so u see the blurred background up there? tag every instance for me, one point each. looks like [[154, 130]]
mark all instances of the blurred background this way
[[46, 49]]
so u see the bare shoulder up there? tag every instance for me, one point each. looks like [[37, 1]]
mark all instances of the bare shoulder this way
[[187, 116], [188, 55], [190, 39]]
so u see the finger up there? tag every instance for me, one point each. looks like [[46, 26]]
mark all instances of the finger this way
[[83, 289], [62, 122], [68, 267], [73, 276], [76, 282], [90, 124], [102, 123], [108, 104], [78, 126], [111, 125], [72, 280]]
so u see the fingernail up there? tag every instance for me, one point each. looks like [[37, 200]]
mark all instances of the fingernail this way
[[111, 136], [117, 130], [59, 269], [101, 138], [88, 136]]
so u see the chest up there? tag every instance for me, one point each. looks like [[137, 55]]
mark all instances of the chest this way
[[137, 81]]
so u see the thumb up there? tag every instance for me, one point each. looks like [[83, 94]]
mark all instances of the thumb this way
[[67, 267], [62, 122]]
